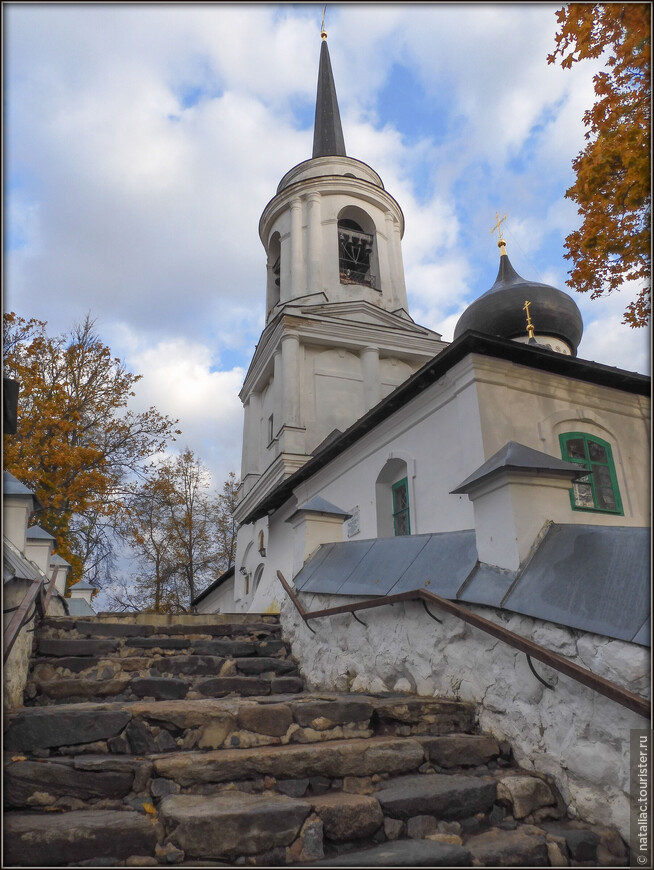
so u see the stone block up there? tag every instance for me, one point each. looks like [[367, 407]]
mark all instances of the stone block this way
[[113, 629], [158, 643], [23, 778], [271, 719], [525, 847], [68, 687], [42, 840], [283, 685], [582, 843], [76, 647], [160, 787], [346, 758], [44, 669], [393, 828], [232, 824], [191, 664], [444, 796], [270, 647], [140, 738], [339, 711], [403, 853], [347, 817], [160, 688], [524, 794], [245, 686], [419, 827], [261, 665], [293, 787], [39, 728], [229, 649], [461, 750]]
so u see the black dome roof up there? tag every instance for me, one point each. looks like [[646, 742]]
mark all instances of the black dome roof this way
[[500, 310]]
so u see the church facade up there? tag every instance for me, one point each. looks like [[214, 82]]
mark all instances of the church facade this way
[[361, 425]]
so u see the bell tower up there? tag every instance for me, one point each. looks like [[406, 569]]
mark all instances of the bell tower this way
[[338, 336]]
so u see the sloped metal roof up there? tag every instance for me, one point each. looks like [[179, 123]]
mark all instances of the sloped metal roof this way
[[594, 578], [518, 457], [16, 566], [36, 533]]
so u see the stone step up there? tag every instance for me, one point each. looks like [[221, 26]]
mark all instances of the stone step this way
[[211, 723], [144, 625], [332, 759], [403, 853], [49, 840]]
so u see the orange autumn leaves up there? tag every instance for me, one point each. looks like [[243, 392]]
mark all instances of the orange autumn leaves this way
[[78, 444], [612, 188]]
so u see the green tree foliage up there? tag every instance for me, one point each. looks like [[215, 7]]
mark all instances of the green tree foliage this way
[[612, 189], [78, 446]]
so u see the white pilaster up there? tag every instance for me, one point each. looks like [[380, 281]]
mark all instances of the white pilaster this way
[[315, 243], [291, 375], [371, 376], [296, 248]]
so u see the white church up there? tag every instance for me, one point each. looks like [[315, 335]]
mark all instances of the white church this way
[[462, 466]]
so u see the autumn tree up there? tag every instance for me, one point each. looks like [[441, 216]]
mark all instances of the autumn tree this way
[[612, 188], [224, 505], [78, 446]]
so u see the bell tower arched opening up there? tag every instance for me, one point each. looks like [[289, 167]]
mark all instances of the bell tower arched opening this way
[[273, 290], [358, 262]]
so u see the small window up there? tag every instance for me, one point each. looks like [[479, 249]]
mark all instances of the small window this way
[[354, 254], [270, 428], [597, 490], [400, 492]]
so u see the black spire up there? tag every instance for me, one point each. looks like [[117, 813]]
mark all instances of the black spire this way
[[327, 132]]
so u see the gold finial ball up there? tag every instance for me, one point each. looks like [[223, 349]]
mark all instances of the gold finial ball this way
[[323, 34], [501, 243]]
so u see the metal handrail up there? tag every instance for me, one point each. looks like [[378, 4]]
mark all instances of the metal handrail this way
[[534, 650]]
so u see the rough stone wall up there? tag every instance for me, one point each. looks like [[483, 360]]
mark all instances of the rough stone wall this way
[[578, 737]]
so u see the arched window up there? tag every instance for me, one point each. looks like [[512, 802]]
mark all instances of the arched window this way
[[274, 271], [393, 501], [356, 248], [598, 490], [257, 578]]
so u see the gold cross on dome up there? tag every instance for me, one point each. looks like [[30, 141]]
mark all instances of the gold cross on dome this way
[[530, 325], [498, 225]]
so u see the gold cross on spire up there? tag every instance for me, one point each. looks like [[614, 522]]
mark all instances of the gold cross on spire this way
[[498, 226], [530, 325], [323, 32]]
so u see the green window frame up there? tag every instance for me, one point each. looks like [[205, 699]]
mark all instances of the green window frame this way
[[401, 522], [598, 490]]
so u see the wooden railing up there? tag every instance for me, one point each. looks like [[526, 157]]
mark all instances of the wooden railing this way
[[38, 597], [532, 650]]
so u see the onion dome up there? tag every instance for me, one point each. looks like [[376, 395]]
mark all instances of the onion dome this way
[[501, 310]]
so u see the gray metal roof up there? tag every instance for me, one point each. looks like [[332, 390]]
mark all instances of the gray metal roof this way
[[59, 561], [516, 457], [16, 566], [79, 607], [83, 585], [594, 578], [36, 533], [320, 505], [12, 486]]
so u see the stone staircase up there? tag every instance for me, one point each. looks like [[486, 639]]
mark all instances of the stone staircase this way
[[145, 741]]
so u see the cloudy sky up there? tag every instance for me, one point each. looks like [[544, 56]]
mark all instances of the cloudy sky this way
[[143, 142]]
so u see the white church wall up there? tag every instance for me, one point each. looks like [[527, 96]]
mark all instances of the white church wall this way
[[436, 435], [534, 407], [578, 737]]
